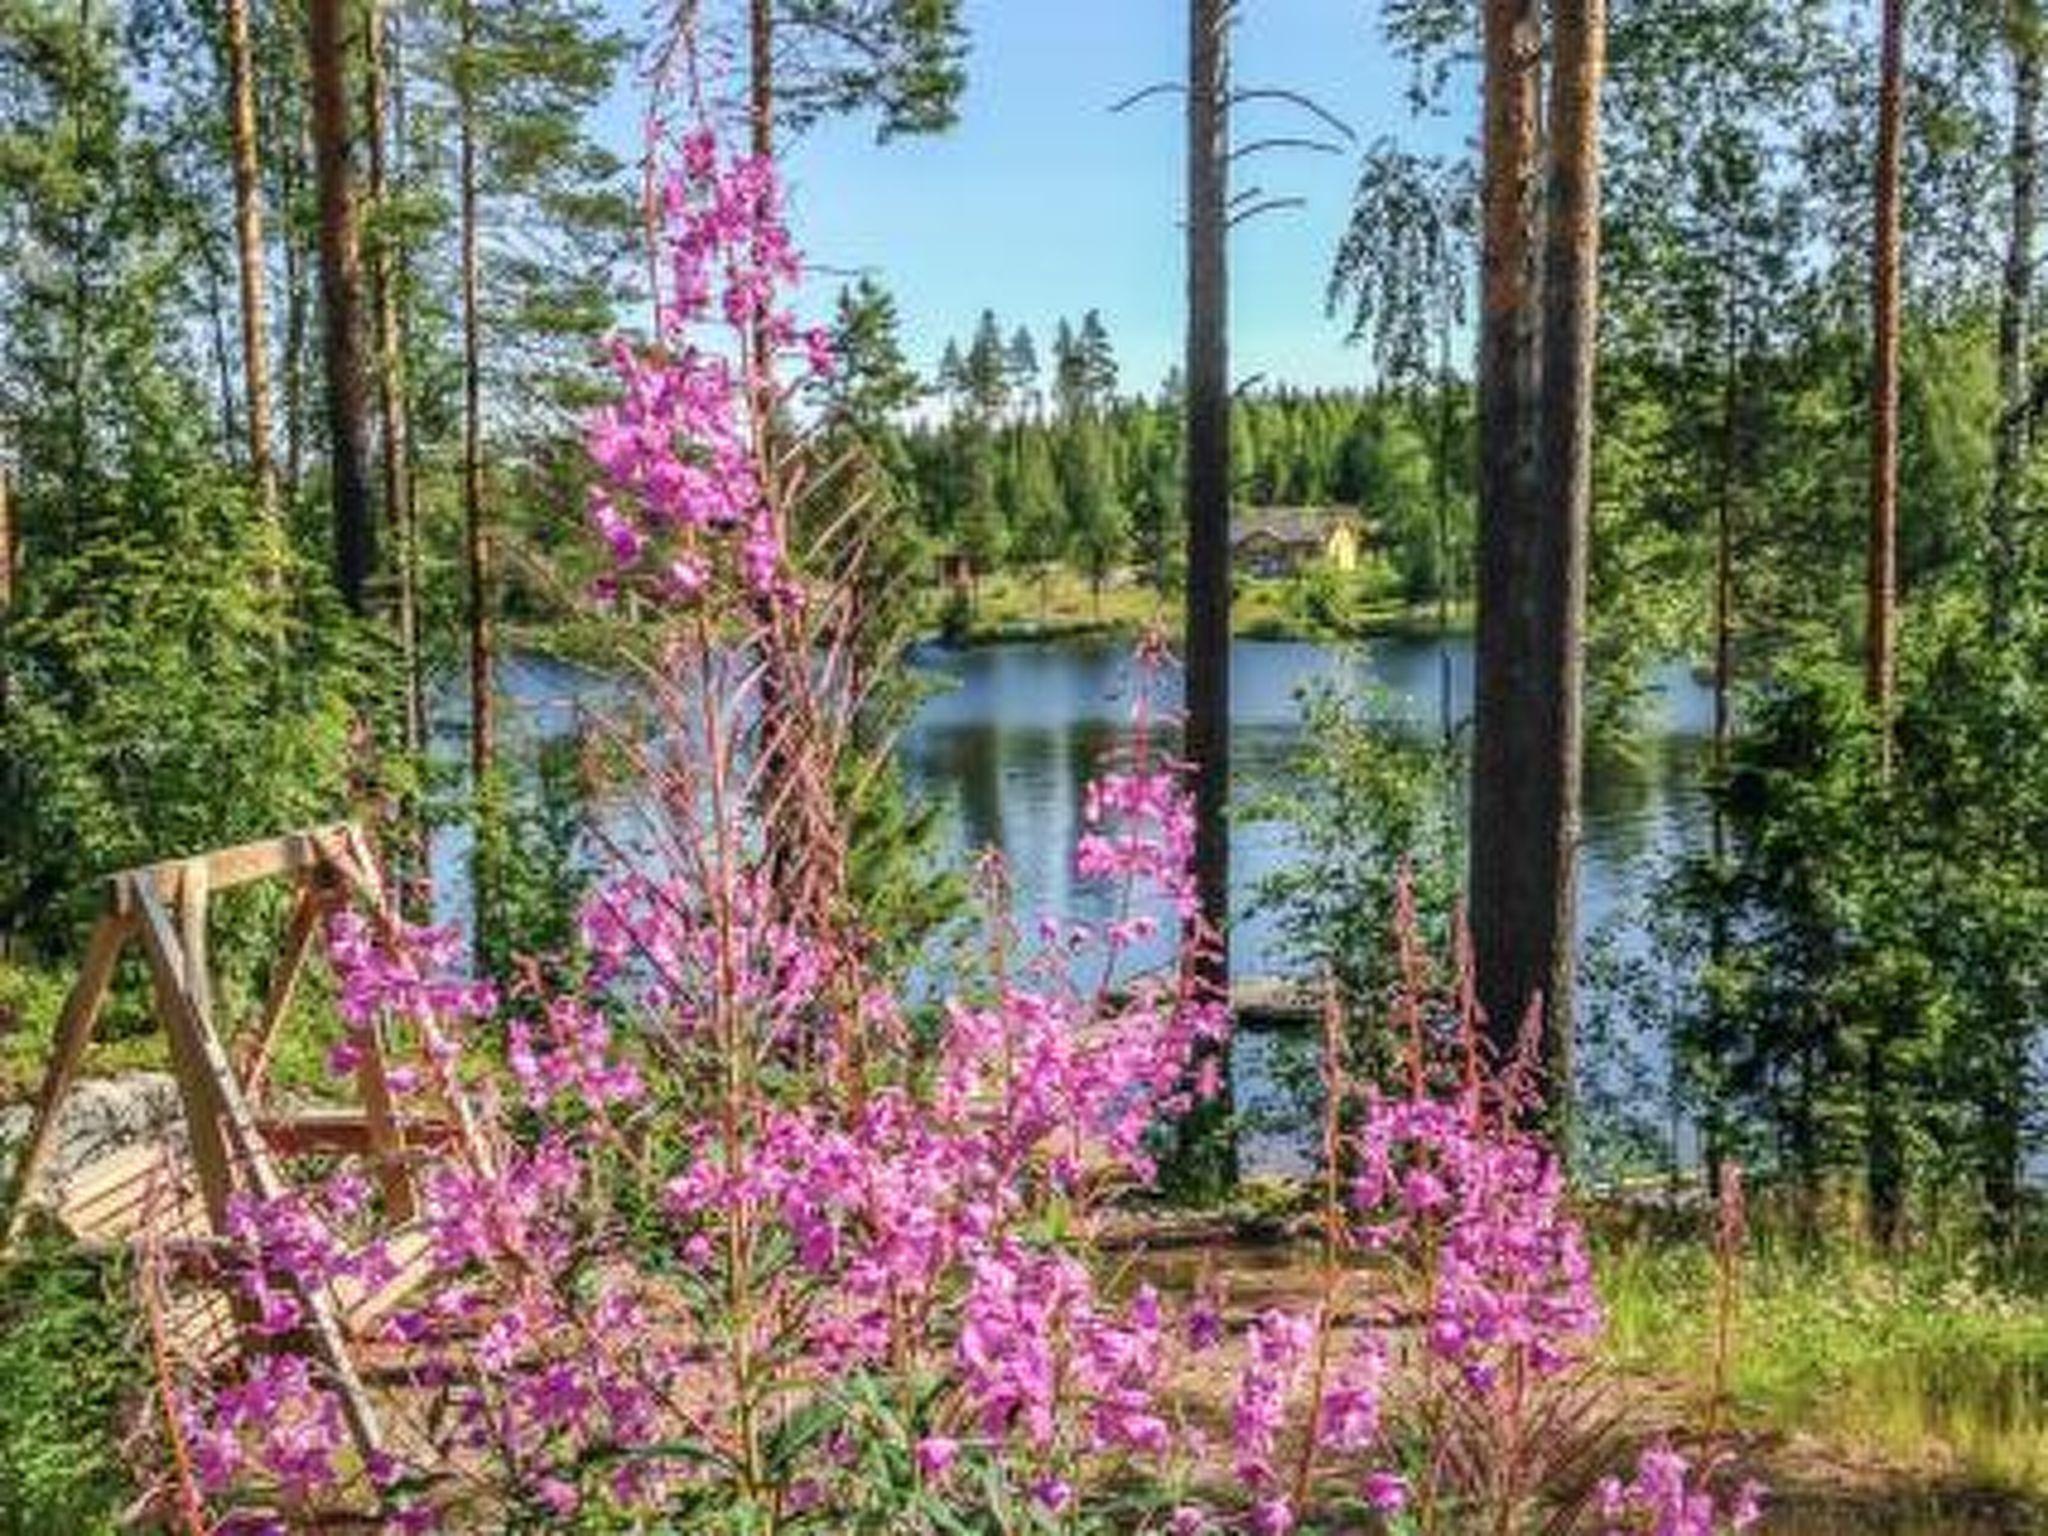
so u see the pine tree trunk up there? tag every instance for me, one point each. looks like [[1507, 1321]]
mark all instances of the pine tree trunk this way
[[1207, 513], [1515, 795], [1571, 324], [341, 298], [476, 545], [1445, 579], [249, 263], [1714, 1131], [295, 306], [2002, 558], [393, 418], [1883, 1155], [1880, 662]]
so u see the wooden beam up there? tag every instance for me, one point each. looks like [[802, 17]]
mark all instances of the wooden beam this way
[[195, 887], [75, 1024], [298, 853], [160, 943], [387, 1140], [179, 1018]]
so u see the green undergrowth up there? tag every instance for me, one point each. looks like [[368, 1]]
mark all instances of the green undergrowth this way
[[1927, 1361], [127, 1039], [72, 1375]]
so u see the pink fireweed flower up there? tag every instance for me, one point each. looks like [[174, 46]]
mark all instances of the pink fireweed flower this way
[[936, 1455], [1386, 1492], [1513, 1278], [1661, 1499], [1278, 1349]]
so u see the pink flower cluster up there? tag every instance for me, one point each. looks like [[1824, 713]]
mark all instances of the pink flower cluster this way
[[1512, 1280], [681, 485], [1662, 1499]]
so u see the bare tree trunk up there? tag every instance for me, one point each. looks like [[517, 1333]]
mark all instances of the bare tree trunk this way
[[1446, 703], [2002, 558], [400, 517], [1880, 668], [7, 541], [1884, 1169], [1514, 797], [294, 333], [249, 264], [1207, 513], [341, 295], [391, 404], [1714, 1130], [476, 543], [1571, 325]]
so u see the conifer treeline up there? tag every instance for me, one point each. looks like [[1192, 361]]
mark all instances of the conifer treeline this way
[[1033, 457]]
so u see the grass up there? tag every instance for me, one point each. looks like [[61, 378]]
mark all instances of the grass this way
[[1012, 605], [1922, 1363]]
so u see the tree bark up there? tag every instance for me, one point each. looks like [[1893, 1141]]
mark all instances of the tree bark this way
[[295, 306], [476, 542], [1515, 793], [249, 263], [2002, 557], [1207, 511], [391, 401], [1881, 622], [1571, 325], [401, 519], [1883, 1157], [341, 298]]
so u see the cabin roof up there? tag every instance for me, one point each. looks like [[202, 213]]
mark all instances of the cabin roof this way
[[1290, 525]]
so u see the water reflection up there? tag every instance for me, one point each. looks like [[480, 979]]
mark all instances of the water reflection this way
[[1012, 739]]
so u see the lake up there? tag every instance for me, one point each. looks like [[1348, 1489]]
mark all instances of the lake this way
[[1011, 733]]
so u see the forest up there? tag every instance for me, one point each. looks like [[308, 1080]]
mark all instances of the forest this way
[[651, 882]]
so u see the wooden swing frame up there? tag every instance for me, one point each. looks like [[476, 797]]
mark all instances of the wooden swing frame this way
[[163, 907]]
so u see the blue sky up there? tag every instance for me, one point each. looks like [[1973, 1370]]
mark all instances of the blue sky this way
[[1042, 203]]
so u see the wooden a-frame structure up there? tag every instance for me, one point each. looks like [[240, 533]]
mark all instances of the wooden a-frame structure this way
[[232, 1145]]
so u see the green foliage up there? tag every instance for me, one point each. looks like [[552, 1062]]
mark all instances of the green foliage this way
[[1365, 809], [72, 1368], [526, 865], [1874, 949], [904, 60], [163, 692]]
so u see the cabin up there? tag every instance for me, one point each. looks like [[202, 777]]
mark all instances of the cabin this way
[[1285, 541]]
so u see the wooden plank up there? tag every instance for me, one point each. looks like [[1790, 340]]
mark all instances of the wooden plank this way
[[348, 1131], [75, 1025], [387, 1143], [161, 945], [203, 1106], [361, 1307], [284, 986], [147, 1185], [298, 853]]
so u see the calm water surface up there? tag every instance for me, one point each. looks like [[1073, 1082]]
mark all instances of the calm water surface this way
[[1010, 735], [1016, 731]]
